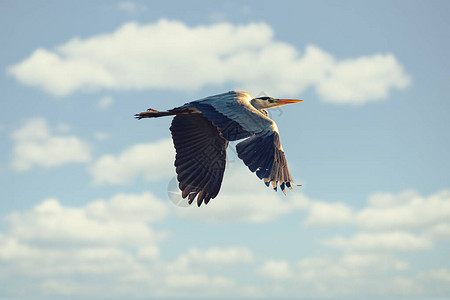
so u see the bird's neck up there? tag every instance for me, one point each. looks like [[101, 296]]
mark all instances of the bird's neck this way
[[258, 105]]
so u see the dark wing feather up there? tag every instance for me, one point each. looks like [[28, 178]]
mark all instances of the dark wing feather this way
[[235, 118], [230, 129], [201, 157], [262, 153]]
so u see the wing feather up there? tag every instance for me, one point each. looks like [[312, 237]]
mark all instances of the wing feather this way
[[201, 157], [235, 118], [233, 114], [262, 153]]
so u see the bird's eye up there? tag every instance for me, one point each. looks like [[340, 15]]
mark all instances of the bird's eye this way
[[271, 101]]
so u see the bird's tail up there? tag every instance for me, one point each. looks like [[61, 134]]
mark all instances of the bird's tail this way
[[152, 113]]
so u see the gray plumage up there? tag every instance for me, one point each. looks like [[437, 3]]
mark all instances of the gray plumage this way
[[201, 130]]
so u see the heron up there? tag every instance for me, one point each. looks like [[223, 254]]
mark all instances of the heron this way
[[201, 130]]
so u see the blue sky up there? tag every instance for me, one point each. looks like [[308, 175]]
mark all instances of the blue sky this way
[[87, 191]]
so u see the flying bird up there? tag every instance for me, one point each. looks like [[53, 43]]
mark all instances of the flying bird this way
[[201, 130]]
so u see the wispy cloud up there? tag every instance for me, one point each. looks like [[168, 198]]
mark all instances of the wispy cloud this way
[[390, 222], [197, 259], [138, 160], [35, 145], [101, 136], [245, 198], [120, 221], [328, 214], [131, 7], [276, 270], [351, 274], [58, 243], [407, 210], [105, 102], [385, 241], [60, 249], [63, 248], [172, 55]]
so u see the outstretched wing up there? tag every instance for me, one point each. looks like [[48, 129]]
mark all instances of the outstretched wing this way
[[236, 118], [263, 154], [201, 156]]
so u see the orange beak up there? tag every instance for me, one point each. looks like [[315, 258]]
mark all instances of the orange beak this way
[[286, 101]]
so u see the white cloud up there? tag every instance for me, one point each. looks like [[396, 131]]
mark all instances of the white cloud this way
[[343, 276], [151, 160], [101, 136], [109, 248], [439, 275], [148, 253], [350, 275], [244, 198], [129, 208], [351, 81], [105, 102], [220, 256], [341, 267], [386, 241], [407, 210], [12, 249], [171, 55], [217, 16], [326, 214], [437, 282], [122, 220], [237, 202], [439, 231], [204, 270], [131, 7], [106, 240], [214, 257], [390, 222], [194, 281], [404, 211], [62, 128], [36, 146], [276, 269]]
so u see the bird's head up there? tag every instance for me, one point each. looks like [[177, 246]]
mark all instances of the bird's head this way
[[269, 102]]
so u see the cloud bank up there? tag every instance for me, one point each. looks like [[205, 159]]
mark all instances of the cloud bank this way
[[138, 160], [108, 247], [35, 145], [172, 55], [115, 247]]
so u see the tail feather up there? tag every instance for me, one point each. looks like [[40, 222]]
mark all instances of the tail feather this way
[[153, 113]]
